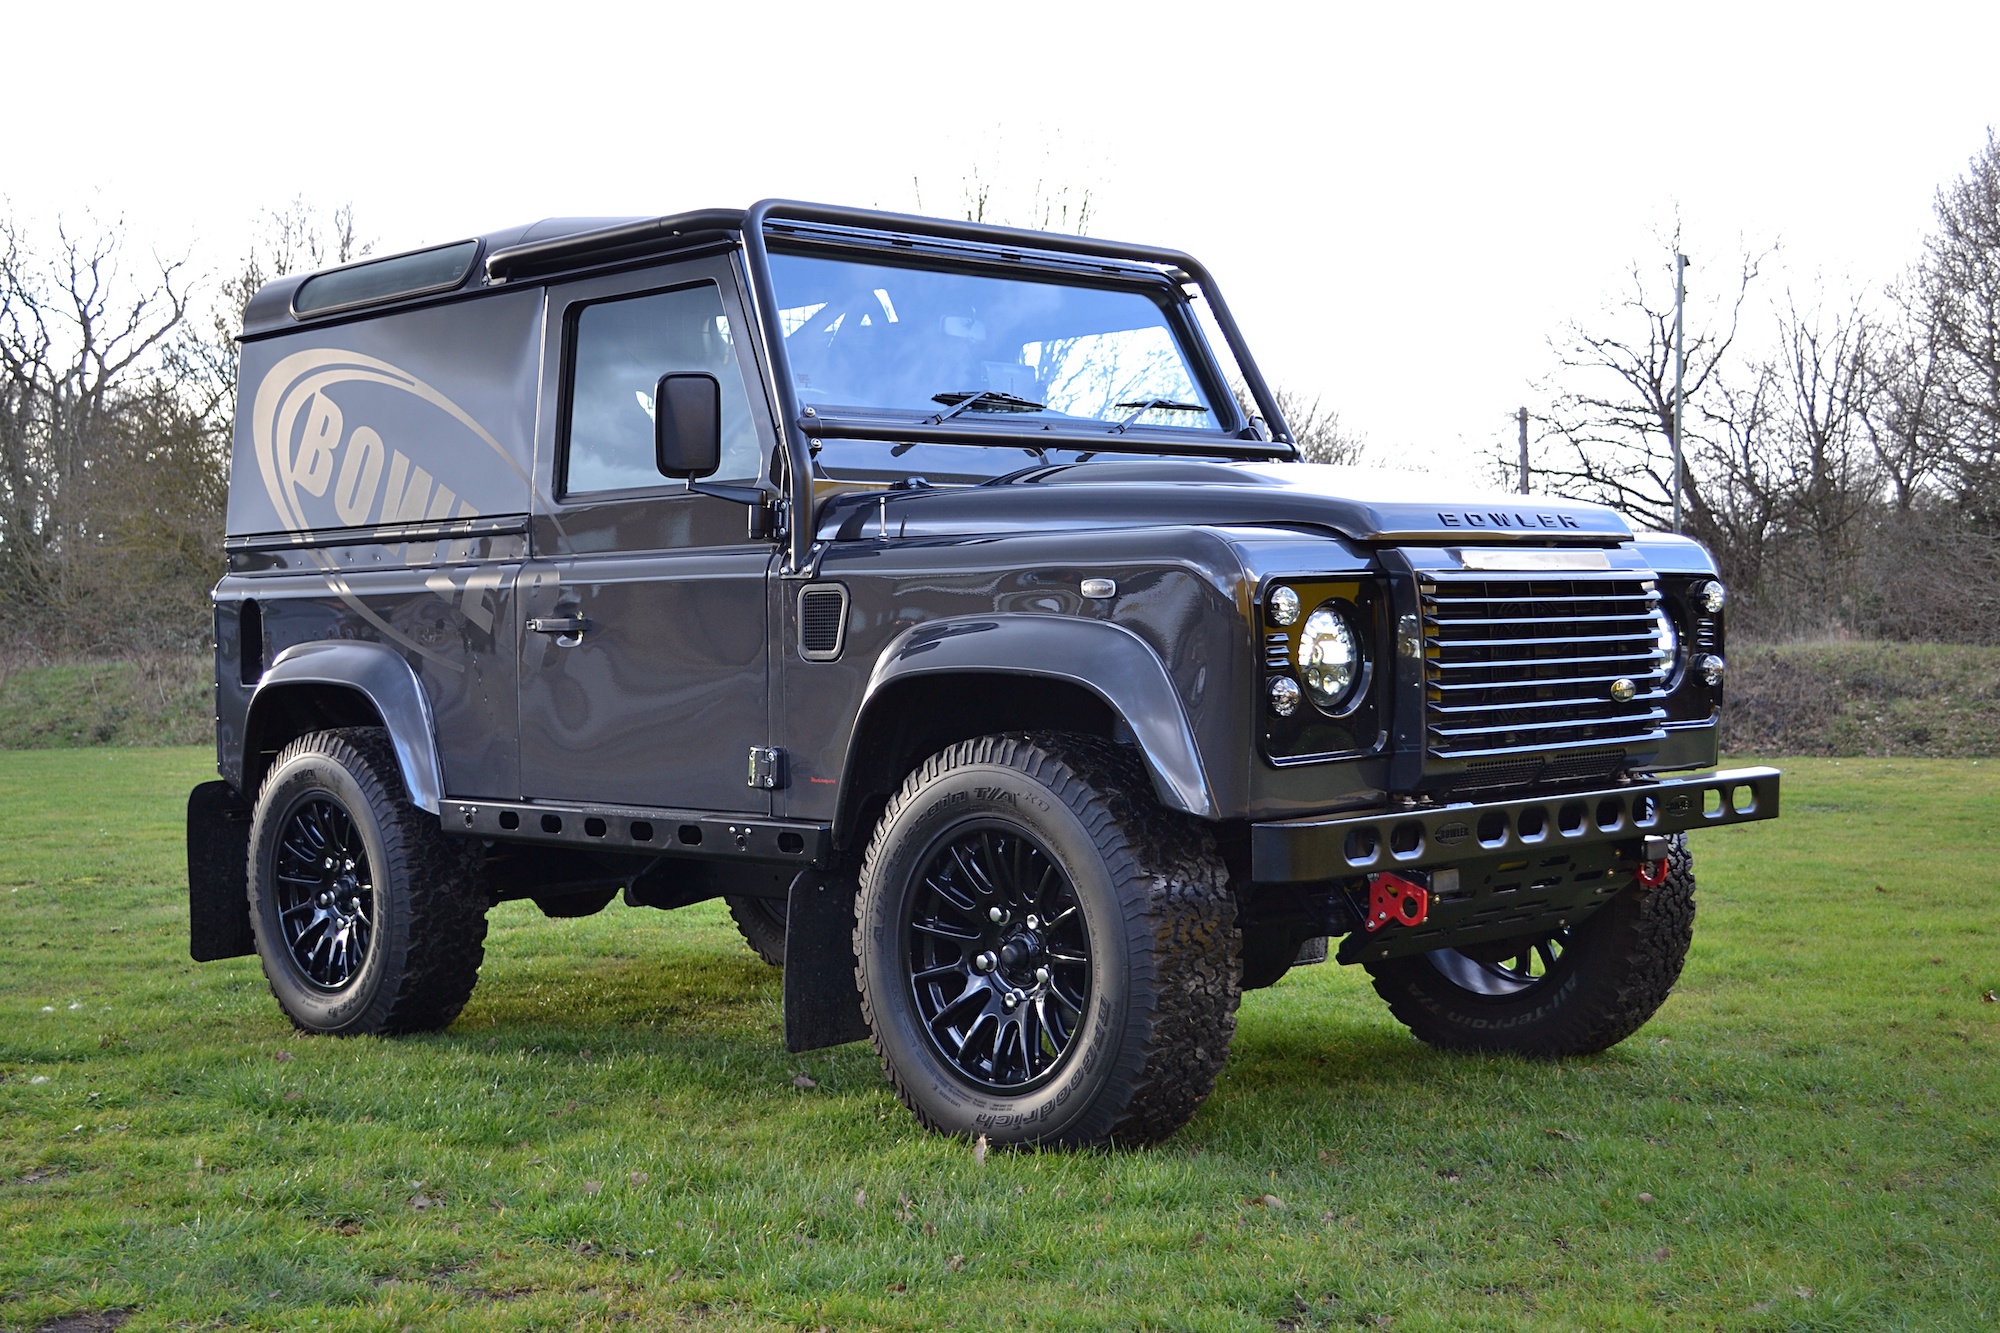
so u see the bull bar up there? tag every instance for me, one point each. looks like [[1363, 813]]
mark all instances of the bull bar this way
[[1344, 847]]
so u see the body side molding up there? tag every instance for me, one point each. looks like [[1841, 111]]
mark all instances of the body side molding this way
[[388, 682], [1107, 659]]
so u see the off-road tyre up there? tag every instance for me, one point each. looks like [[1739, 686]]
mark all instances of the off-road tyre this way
[[1612, 976], [761, 923], [1151, 888], [429, 901]]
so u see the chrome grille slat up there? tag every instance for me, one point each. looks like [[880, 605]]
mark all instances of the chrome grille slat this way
[[1524, 665], [1561, 724], [1498, 663], [1620, 618], [1544, 747], [1551, 682], [1571, 701], [1443, 600], [1557, 642]]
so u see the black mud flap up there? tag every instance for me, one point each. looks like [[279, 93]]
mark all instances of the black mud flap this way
[[822, 1003], [218, 849]]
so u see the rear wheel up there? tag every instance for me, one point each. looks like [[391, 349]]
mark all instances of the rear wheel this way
[[1571, 993], [1045, 955], [761, 923], [368, 918]]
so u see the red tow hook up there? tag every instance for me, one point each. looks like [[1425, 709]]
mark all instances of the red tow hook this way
[[1393, 898], [1653, 873]]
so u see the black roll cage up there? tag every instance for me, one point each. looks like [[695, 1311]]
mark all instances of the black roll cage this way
[[977, 244], [796, 430]]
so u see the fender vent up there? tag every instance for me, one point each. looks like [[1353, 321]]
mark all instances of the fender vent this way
[[822, 621]]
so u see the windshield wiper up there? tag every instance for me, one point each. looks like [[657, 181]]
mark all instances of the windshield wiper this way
[[992, 400], [1153, 405]]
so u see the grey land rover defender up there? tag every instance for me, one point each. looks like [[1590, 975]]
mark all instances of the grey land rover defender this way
[[953, 603]]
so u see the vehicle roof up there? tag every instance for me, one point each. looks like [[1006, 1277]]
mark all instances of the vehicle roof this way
[[536, 249]]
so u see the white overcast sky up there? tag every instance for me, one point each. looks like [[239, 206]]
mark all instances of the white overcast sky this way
[[1401, 202]]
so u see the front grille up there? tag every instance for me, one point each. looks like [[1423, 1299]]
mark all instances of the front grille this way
[[1520, 666]]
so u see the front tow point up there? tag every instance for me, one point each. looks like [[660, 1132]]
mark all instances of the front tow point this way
[[1653, 864], [1393, 898]]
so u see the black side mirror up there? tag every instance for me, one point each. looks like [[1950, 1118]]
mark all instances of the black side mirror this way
[[687, 425]]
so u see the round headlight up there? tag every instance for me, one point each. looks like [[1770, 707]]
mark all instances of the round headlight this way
[[1284, 606], [1710, 596], [1329, 658]]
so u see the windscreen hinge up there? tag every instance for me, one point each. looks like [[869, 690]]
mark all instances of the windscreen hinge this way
[[767, 767]]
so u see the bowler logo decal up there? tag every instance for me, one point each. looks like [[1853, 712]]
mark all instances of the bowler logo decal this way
[[320, 473], [322, 470]]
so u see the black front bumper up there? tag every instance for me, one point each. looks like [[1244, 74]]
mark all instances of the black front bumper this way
[[1514, 868]]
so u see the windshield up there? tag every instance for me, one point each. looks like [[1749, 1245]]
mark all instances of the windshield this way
[[935, 345]]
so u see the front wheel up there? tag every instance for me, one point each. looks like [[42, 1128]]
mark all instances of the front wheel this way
[[1045, 955], [1571, 993], [368, 917]]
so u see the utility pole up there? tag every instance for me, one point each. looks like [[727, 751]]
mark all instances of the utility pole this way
[[1522, 417], [1680, 366]]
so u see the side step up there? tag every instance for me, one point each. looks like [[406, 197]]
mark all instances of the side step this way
[[642, 829]]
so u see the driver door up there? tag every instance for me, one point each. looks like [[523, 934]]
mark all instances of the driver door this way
[[660, 696]]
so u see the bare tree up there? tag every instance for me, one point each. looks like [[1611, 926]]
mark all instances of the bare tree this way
[[116, 390], [297, 238], [1913, 421], [1317, 429], [1824, 359], [80, 339], [1611, 398], [1959, 282]]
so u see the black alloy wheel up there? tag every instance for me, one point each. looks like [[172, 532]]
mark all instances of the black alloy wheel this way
[[999, 957], [1045, 955], [325, 893], [1577, 991], [368, 917], [1505, 969]]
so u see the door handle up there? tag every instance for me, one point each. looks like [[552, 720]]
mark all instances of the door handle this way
[[567, 629]]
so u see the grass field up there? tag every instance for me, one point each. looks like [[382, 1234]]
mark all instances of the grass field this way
[[1808, 1137], [153, 699]]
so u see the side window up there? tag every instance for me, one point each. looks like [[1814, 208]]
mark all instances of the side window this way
[[621, 349]]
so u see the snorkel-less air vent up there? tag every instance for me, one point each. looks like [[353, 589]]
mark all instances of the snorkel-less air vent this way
[[822, 621]]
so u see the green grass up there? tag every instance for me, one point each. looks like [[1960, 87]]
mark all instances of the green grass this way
[[152, 699], [1903, 699], [611, 1133]]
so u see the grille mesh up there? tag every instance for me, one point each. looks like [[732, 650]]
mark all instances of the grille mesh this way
[[1520, 666], [822, 621]]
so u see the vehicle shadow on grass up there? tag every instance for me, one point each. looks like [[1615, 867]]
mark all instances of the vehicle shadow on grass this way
[[1308, 1057]]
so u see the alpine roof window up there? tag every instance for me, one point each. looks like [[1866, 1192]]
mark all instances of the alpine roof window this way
[[435, 270]]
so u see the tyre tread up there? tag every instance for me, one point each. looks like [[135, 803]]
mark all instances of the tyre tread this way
[[1183, 943], [1646, 933], [444, 894]]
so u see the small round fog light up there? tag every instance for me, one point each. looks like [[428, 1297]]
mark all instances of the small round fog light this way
[[1710, 596], [1284, 606], [1284, 696], [1710, 668]]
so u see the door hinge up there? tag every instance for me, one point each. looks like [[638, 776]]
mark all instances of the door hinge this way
[[767, 767]]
